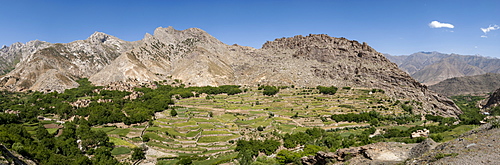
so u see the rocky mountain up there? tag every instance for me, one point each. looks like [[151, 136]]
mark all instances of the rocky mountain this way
[[433, 67], [198, 59], [56, 66], [493, 100], [11, 55], [468, 85]]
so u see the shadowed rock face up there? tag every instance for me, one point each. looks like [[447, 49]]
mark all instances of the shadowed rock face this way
[[493, 100], [198, 59]]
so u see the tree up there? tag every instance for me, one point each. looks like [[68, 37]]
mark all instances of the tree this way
[[374, 122], [185, 161], [270, 90], [145, 138], [138, 154], [327, 90], [173, 112]]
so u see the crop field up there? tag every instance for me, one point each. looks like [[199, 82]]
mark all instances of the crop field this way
[[211, 125]]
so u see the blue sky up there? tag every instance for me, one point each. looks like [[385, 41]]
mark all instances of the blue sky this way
[[396, 27]]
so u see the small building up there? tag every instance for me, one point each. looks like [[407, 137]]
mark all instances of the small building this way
[[420, 133]]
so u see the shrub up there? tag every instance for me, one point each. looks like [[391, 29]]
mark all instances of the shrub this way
[[327, 90], [173, 112], [436, 137], [270, 90]]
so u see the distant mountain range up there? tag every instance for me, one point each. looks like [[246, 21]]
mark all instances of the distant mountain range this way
[[432, 67]]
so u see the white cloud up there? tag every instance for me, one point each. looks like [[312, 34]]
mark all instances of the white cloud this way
[[436, 24], [490, 28]]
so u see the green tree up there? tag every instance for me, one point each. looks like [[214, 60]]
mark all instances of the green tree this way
[[185, 161], [327, 90], [173, 112], [138, 154], [270, 90]]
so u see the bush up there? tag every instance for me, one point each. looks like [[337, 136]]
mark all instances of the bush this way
[[327, 90], [407, 108], [436, 137], [260, 128], [185, 161], [138, 154], [173, 112], [270, 90], [145, 138]]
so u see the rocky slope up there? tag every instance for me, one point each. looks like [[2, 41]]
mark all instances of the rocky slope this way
[[468, 85], [198, 59], [11, 55], [493, 100], [479, 146], [56, 67], [433, 67]]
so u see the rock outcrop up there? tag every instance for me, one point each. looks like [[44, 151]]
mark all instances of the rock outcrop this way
[[197, 59], [377, 153], [493, 100], [423, 147]]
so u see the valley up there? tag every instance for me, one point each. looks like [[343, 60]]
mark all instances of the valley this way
[[184, 97]]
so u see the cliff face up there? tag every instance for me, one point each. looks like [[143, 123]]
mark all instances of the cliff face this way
[[198, 59]]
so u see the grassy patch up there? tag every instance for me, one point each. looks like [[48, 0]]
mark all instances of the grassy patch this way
[[210, 139], [218, 160], [450, 135], [154, 136], [120, 132], [120, 151], [120, 142], [52, 130]]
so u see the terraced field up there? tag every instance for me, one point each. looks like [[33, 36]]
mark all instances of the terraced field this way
[[209, 125]]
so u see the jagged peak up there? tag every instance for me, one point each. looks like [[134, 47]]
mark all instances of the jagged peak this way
[[100, 37]]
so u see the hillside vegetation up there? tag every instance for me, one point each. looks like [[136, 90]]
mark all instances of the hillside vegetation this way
[[171, 123]]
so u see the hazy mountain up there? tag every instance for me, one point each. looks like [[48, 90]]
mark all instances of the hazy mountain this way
[[198, 59], [473, 85], [433, 67]]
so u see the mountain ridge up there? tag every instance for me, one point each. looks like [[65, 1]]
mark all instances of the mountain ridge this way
[[433, 67], [196, 58], [468, 85]]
